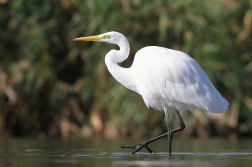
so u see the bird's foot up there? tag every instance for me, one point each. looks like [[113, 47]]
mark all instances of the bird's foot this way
[[137, 147]]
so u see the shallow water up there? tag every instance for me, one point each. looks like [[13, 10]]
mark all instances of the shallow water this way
[[99, 153]]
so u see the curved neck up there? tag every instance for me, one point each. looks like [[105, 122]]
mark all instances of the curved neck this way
[[113, 57], [118, 56]]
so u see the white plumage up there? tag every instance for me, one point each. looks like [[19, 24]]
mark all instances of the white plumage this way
[[167, 80], [166, 77], [163, 77]]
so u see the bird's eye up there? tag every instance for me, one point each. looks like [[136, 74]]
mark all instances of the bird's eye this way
[[106, 36]]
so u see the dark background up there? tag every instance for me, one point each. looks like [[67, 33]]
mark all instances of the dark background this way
[[51, 86]]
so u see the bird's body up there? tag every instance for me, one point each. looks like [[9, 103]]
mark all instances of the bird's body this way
[[166, 79]]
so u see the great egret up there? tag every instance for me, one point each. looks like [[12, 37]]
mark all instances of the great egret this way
[[167, 80]]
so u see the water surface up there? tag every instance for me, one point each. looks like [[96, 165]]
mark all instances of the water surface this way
[[106, 153]]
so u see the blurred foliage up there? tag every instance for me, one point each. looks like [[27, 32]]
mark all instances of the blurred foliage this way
[[51, 86]]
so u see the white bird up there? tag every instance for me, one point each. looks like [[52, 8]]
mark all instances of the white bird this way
[[167, 80]]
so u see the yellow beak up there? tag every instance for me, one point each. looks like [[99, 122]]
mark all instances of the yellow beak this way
[[90, 38]]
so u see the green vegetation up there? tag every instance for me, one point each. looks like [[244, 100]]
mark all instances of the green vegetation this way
[[51, 86]]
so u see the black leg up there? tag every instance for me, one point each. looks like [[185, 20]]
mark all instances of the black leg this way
[[141, 145], [169, 130], [181, 123]]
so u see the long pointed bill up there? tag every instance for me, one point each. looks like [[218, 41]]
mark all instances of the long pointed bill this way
[[90, 38]]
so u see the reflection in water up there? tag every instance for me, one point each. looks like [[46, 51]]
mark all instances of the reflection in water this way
[[177, 159], [92, 153], [222, 163], [169, 162]]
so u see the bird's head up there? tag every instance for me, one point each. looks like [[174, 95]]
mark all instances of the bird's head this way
[[109, 37]]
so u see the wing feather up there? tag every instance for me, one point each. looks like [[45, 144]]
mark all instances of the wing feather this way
[[168, 77]]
